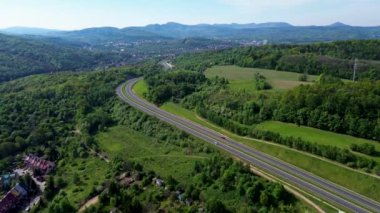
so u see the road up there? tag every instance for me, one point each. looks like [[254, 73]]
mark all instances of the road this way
[[295, 176]]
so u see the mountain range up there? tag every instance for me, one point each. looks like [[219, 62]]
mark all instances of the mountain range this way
[[274, 32]]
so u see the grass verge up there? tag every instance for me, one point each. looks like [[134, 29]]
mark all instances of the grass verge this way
[[317, 135]]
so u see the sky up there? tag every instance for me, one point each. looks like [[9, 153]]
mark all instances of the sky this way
[[79, 14]]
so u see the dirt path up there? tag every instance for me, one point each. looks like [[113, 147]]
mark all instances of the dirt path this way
[[89, 203]]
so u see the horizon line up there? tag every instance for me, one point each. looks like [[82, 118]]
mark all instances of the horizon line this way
[[173, 22]]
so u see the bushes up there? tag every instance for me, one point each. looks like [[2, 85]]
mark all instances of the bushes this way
[[261, 83], [368, 149], [229, 176]]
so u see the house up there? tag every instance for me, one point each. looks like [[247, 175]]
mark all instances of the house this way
[[34, 162], [13, 198]]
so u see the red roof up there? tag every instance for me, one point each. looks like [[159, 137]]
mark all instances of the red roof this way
[[38, 163]]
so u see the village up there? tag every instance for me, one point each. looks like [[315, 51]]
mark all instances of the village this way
[[21, 189]]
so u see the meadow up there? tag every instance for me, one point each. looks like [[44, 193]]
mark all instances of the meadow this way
[[163, 158], [81, 176], [242, 78]]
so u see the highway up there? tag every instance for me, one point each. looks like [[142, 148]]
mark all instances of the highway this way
[[295, 176]]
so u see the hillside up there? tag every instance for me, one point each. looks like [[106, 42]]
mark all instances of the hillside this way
[[335, 58], [26, 56]]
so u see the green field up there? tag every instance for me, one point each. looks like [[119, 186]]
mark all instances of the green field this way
[[163, 158], [242, 78], [91, 172], [316, 135], [140, 88]]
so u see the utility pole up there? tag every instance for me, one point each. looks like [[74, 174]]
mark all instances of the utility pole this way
[[355, 69]]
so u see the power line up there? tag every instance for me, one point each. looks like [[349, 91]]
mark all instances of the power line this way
[[355, 69]]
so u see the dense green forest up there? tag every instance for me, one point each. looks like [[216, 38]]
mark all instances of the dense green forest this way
[[335, 58], [26, 56], [349, 108]]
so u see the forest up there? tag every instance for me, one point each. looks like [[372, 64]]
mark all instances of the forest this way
[[335, 58], [21, 57]]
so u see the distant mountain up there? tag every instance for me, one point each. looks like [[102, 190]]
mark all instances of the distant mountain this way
[[27, 31], [109, 34], [338, 24], [274, 32]]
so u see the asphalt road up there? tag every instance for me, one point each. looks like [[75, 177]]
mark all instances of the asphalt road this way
[[302, 179]]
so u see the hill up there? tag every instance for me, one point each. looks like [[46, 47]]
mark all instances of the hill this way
[[335, 58], [109, 34], [27, 31], [26, 56], [274, 32]]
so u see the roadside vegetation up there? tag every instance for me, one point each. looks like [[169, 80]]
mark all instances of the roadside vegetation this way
[[242, 112], [321, 167]]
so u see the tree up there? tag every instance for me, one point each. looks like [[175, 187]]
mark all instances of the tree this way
[[50, 188], [216, 206], [303, 77], [264, 198]]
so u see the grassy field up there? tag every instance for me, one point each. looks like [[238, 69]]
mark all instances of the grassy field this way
[[328, 170], [91, 172], [242, 78], [163, 158], [140, 88], [316, 135]]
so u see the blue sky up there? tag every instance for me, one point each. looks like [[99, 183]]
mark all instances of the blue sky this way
[[77, 14]]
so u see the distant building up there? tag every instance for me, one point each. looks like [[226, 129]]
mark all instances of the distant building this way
[[13, 198], [34, 162]]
